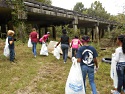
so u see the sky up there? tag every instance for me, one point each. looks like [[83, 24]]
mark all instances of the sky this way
[[113, 7]]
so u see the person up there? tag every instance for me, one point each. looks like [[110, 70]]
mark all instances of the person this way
[[44, 37], [86, 56], [120, 67], [64, 40], [34, 39], [11, 40], [75, 45]]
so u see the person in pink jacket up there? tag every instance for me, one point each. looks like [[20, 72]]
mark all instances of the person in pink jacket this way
[[75, 45], [44, 37]]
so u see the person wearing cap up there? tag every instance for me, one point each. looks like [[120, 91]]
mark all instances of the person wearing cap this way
[[34, 39], [64, 40], [10, 34], [44, 37], [86, 56], [75, 45]]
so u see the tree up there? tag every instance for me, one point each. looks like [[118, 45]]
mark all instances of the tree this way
[[48, 2], [97, 10], [79, 7]]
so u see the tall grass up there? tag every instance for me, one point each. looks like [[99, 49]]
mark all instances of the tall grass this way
[[45, 75]]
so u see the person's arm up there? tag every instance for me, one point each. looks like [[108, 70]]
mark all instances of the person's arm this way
[[71, 44], [96, 63], [58, 43], [11, 41], [78, 60]]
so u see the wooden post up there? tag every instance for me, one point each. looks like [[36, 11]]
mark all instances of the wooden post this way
[[54, 32]]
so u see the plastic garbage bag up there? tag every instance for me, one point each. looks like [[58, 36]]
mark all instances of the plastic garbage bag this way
[[6, 48], [56, 52], [29, 43], [44, 50], [74, 84]]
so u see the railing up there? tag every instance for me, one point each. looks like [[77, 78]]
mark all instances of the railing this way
[[39, 5]]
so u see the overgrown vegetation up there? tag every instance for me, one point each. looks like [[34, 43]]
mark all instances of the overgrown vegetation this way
[[45, 75]]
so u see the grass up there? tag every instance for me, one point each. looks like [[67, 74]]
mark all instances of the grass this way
[[44, 75]]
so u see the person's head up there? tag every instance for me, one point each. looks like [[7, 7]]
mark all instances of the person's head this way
[[76, 37], [10, 33], [121, 42], [34, 29], [64, 31], [48, 33], [85, 39]]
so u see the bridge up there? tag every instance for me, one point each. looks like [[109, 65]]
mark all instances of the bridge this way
[[49, 16]]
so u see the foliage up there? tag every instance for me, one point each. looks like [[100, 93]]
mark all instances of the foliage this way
[[48, 2], [79, 7]]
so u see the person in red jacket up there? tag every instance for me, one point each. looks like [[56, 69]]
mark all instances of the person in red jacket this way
[[34, 39]]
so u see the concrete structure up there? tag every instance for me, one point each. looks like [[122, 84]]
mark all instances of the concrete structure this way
[[45, 16]]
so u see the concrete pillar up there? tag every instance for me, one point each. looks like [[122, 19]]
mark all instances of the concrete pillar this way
[[46, 30], [92, 32], [39, 32], [75, 23], [86, 30], [3, 32], [97, 32], [108, 28], [54, 32]]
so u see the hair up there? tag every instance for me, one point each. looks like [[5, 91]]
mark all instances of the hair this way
[[34, 29], [85, 38], [64, 31], [76, 37], [10, 33], [122, 39]]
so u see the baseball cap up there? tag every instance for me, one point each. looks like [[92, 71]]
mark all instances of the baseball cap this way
[[48, 32]]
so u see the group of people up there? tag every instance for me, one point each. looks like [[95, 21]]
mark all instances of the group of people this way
[[86, 55]]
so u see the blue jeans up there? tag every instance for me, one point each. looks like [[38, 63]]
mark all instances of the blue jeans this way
[[90, 71], [74, 51], [34, 48], [64, 48], [12, 54], [121, 75]]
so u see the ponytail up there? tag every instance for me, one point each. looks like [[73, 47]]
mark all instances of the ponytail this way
[[123, 45]]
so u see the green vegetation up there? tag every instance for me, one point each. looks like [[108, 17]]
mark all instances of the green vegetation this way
[[45, 75]]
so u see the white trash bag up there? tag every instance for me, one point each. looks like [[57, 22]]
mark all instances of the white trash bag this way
[[56, 52], [113, 73], [75, 84], [44, 50], [6, 48], [29, 43]]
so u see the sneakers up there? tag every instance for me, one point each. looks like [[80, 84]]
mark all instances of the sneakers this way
[[64, 62], [116, 92], [35, 56], [112, 91]]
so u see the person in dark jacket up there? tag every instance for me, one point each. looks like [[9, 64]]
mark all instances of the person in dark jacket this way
[[64, 40]]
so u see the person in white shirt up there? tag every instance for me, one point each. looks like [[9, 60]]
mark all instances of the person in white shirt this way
[[120, 67]]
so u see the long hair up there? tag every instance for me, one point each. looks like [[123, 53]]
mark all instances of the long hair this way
[[122, 39]]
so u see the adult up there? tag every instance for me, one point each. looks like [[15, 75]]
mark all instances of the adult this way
[[86, 56], [75, 45], [120, 67], [64, 40], [11, 39], [34, 39], [44, 37]]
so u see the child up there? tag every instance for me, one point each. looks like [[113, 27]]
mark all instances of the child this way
[[75, 45], [11, 45]]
